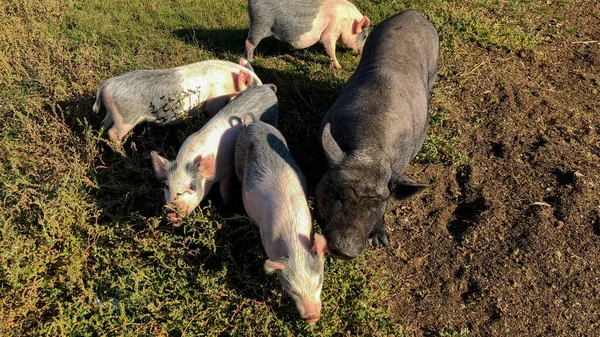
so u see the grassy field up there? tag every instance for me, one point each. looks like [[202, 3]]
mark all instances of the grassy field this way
[[84, 247]]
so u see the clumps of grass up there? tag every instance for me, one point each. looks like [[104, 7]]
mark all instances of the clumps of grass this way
[[439, 149], [509, 25], [440, 145], [47, 219], [466, 24], [205, 278], [453, 332]]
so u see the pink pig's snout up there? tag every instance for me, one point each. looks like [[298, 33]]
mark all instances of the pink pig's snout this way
[[173, 218], [312, 318], [312, 312], [177, 211], [184, 207]]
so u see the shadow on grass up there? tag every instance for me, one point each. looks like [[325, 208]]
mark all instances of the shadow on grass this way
[[215, 40], [303, 101], [223, 42]]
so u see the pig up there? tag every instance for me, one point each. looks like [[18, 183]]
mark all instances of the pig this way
[[374, 129], [207, 156], [274, 195], [168, 96], [302, 23]]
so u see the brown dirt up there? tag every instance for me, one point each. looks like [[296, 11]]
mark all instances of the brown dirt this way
[[476, 251]]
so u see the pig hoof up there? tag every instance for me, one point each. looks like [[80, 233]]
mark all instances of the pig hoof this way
[[335, 65], [379, 236]]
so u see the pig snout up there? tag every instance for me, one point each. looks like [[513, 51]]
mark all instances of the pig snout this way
[[173, 218], [184, 207], [177, 211], [311, 311], [312, 318], [343, 248]]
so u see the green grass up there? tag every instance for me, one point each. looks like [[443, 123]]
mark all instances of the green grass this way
[[85, 251]]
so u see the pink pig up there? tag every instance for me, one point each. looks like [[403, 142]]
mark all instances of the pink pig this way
[[274, 195], [302, 23]]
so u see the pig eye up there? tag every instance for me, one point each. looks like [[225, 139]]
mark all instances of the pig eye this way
[[192, 187]]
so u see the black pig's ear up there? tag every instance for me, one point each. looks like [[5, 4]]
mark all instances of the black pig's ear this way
[[403, 187], [332, 150]]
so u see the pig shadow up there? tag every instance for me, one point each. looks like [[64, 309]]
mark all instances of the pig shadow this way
[[223, 42], [303, 101], [216, 40]]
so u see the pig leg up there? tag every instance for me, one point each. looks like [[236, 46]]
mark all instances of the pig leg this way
[[225, 186], [107, 121], [118, 129], [250, 50], [379, 235], [329, 41], [255, 35]]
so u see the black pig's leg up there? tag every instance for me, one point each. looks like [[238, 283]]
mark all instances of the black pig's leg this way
[[379, 234]]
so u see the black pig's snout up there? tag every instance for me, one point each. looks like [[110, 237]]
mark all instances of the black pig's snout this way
[[343, 255], [341, 247]]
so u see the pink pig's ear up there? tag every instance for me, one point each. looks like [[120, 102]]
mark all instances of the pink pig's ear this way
[[206, 165], [159, 164], [361, 24], [320, 246], [273, 266], [244, 80]]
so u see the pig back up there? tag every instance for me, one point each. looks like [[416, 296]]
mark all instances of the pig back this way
[[259, 101], [261, 154], [407, 44], [220, 133], [383, 109], [288, 19]]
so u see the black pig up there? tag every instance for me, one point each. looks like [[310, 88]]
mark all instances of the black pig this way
[[374, 129]]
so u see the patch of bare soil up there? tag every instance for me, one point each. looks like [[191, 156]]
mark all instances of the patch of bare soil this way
[[509, 245]]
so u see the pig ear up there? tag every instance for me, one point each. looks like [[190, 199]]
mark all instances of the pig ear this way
[[159, 164], [320, 245], [361, 24], [365, 22], [272, 86], [404, 187], [244, 80], [206, 165], [273, 266], [332, 150], [248, 118]]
